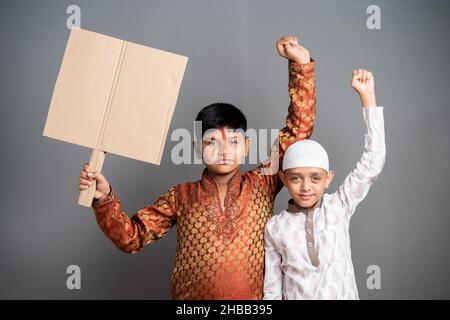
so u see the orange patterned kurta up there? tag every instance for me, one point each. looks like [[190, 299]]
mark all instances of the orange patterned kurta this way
[[220, 252]]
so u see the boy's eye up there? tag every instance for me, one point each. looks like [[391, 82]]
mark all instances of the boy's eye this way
[[316, 179]]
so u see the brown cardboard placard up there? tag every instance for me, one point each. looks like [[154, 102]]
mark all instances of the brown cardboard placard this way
[[114, 96]]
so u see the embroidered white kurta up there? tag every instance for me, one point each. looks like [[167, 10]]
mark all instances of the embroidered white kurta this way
[[291, 271]]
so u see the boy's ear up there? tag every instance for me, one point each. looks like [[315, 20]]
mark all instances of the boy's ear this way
[[330, 176], [282, 176]]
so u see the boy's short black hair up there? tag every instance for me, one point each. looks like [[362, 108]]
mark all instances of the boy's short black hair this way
[[220, 115]]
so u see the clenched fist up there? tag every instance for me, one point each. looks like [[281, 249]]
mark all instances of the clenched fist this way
[[289, 48], [364, 84], [88, 178]]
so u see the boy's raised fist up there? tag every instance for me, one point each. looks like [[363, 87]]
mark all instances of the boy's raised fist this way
[[289, 48], [364, 84]]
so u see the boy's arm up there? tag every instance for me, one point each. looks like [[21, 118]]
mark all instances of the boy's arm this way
[[357, 184], [302, 107], [146, 226], [273, 275]]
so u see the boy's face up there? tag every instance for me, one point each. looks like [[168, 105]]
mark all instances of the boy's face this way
[[223, 150], [306, 185]]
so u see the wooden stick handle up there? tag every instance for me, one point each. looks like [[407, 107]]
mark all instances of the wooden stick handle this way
[[95, 164]]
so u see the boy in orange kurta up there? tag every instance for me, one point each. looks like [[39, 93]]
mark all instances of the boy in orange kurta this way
[[221, 217]]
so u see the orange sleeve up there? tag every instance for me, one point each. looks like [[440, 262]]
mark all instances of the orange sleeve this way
[[146, 226], [302, 108], [299, 121]]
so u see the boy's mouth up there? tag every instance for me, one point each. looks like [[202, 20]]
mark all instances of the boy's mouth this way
[[225, 161], [306, 197]]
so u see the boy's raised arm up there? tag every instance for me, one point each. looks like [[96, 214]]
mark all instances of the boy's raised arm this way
[[358, 182], [146, 226], [302, 107], [302, 92]]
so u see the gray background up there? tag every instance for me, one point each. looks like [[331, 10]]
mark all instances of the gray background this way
[[402, 226]]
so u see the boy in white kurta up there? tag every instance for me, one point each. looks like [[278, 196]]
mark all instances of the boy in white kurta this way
[[307, 246]]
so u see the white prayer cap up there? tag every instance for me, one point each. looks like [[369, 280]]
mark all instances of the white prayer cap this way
[[306, 153]]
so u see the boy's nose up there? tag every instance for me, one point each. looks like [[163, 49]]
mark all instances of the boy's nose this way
[[223, 150], [305, 186]]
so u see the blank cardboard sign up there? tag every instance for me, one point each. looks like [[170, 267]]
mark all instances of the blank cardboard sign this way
[[114, 96]]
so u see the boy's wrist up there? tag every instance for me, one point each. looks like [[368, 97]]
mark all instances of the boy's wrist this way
[[368, 100], [104, 196], [304, 60]]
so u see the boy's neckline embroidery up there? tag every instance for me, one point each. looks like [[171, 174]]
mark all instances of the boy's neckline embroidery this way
[[223, 217]]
